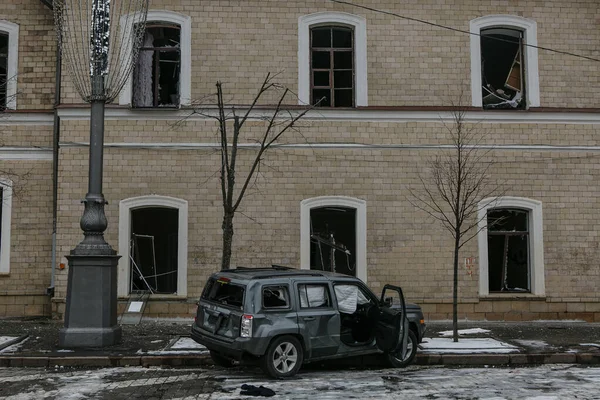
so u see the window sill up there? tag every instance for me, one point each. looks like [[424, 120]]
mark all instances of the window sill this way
[[513, 296]]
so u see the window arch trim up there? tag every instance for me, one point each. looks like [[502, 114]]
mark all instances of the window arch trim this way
[[536, 240], [125, 208], [5, 225], [359, 25], [12, 30], [185, 80], [361, 228], [529, 28]]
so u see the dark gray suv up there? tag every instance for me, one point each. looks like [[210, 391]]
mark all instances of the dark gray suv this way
[[284, 317]]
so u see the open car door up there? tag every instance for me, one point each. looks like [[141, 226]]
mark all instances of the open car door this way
[[391, 332]]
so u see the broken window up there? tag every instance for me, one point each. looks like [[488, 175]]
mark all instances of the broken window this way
[[314, 296], [275, 297], [508, 250], [333, 239], [332, 66], [3, 69], [157, 71], [153, 250], [502, 69]]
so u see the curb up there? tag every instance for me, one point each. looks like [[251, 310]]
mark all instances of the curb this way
[[200, 360]]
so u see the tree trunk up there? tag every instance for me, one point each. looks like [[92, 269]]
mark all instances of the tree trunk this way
[[227, 239], [455, 291]]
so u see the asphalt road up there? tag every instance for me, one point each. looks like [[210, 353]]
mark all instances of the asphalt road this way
[[548, 382]]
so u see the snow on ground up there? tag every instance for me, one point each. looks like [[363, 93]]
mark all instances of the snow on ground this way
[[465, 346], [13, 348], [461, 332], [5, 339], [590, 344], [538, 344], [182, 346]]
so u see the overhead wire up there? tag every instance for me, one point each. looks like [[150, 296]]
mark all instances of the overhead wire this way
[[422, 21]]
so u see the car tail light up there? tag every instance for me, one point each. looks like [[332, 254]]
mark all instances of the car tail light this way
[[246, 328]]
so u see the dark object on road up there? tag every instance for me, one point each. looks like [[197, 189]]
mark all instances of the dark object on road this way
[[284, 317], [251, 390]]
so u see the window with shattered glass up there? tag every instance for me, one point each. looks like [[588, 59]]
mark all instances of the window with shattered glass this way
[[3, 69], [157, 71], [502, 69], [332, 66], [508, 250]]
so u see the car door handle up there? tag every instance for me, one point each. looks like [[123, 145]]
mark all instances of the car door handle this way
[[308, 318]]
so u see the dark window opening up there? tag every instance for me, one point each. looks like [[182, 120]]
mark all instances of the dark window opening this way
[[153, 250], [224, 293], [332, 66], [508, 250], [502, 69], [1, 209], [157, 71], [275, 297], [3, 69], [333, 239]]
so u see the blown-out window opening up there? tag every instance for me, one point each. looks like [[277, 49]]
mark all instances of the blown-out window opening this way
[[3, 69], [503, 69], [508, 250], [156, 76]]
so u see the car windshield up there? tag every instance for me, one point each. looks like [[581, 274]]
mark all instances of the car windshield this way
[[224, 292]]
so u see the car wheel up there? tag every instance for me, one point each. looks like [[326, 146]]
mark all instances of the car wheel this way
[[220, 360], [283, 357], [396, 360]]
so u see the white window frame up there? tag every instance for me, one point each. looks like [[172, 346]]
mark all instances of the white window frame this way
[[12, 30], [536, 241], [361, 229], [185, 75], [529, 28], [6, 204], [125, 208], [359, 25]]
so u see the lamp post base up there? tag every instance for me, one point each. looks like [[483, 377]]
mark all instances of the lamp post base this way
[[91, 306]]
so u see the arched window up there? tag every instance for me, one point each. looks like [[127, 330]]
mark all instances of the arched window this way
[[9, 57], [333, 235], [5, 221], [504, 62], [153, 241], [162, 74], [511, 246], [332, 59]]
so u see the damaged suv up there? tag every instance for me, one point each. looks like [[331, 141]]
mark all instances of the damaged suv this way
[[284, 317]]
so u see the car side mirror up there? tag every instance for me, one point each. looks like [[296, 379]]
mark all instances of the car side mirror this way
[[388, 301]]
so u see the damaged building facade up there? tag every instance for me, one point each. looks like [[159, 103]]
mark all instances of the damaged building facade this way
[[336, 196]]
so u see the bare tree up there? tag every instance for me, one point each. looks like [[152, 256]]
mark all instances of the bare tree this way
[[457, 180], [277, 120], [17, 179]]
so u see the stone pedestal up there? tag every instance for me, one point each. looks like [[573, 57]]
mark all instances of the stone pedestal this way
[[91, 306]]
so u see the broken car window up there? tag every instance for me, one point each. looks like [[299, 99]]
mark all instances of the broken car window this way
[[156, 73], [502, 72], [275, 297], [224, 292], [314, 296], [332, 66], [508, 250]]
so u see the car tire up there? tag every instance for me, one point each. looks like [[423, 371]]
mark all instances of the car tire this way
[[283, 358], [220, 360], [395, 359]]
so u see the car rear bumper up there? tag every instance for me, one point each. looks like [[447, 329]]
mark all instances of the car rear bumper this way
[[234, 349]]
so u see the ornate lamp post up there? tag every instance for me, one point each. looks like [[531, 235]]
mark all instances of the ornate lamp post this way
[[99, 42]]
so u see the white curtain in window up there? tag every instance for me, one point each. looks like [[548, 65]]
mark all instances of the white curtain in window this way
[[142, 76]]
